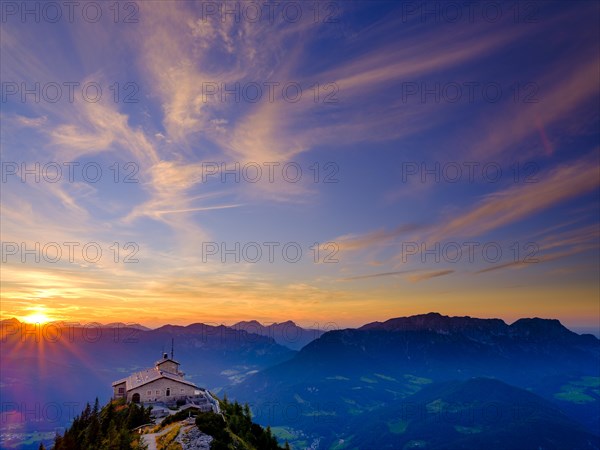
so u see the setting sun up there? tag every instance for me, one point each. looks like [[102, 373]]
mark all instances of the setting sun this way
[[37, 317]]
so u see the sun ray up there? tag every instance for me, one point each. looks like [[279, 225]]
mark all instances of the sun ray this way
[[39, 316]]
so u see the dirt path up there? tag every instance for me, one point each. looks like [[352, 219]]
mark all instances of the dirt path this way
[[150, 439]]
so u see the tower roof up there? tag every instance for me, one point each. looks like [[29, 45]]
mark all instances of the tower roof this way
[[165, 359]]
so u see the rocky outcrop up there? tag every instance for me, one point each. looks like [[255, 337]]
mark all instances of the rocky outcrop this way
[[191, 438]]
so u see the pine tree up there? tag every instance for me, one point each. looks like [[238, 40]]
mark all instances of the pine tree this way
[[92, 435], [106, 418]]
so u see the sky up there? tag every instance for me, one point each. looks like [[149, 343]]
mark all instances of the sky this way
[[325, 162]]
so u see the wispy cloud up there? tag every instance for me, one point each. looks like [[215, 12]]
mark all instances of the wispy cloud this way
[[429, 275], [518, 202], [377, 275]]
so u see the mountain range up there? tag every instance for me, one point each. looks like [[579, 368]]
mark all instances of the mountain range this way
[[356, 374], [338, 389], [285, 333]]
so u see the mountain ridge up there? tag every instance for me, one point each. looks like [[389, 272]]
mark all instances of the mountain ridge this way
[[417, 322], [436, 321], [355, 372]]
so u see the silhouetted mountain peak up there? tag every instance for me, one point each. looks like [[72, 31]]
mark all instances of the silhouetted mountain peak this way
[[245, 323], [526, 329], [541, 329], [12, 320], [136, 326], [439, 323], [257, 324], [169, 328], [286, 333]]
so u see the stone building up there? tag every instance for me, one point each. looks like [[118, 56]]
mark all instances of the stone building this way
[[163, 383]]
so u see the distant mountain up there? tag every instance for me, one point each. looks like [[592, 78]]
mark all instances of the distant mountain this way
[[439, 323], [446, 347], [355, 373], [136, 326], [286, 333], [13, 321], [477, 413], [535, 329], [9, 324]]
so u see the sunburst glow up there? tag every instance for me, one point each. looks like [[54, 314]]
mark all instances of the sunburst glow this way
[[37, 317]]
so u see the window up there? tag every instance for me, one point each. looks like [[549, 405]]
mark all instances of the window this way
[[149, 393], [158, 392], [121, 390], [168, 392], [182, 390]]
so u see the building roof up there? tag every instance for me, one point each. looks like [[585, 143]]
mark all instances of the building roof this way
[[146, 376], [160, 361]]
